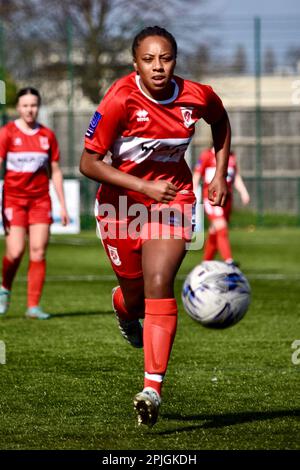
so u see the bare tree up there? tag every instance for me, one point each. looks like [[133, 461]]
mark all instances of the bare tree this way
[[239, 63], [88, 40], [269, 61]]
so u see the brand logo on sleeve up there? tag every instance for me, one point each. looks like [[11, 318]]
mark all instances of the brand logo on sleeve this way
[[93, 125], [142, 115]]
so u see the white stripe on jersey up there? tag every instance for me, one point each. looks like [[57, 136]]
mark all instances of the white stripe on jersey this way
[[138, 149], [26, 162]]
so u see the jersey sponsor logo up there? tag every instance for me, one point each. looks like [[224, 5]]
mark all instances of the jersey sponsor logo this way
[[93, 125], [114, 255], [138, 149], [26, 162], [44, 142], [187, 116], [17, 141], [142, 115]]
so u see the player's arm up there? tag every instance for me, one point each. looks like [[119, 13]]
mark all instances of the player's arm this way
[[221, 133], [57, 179], [241, 187], [93, 166]]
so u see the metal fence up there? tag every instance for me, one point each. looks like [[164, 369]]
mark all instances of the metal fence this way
[[253, 64]]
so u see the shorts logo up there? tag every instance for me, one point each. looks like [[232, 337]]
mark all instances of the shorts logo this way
[[93, 124], [44, 143], [142, 115], [114, 255], [187, 116]]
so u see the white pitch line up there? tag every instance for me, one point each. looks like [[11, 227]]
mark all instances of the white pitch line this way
[[180, 277]]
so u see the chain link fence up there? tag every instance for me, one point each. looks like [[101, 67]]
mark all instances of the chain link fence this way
[[253, 64]]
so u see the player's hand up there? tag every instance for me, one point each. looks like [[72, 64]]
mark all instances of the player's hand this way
[[217, 191], [65, 219], [160, 191]]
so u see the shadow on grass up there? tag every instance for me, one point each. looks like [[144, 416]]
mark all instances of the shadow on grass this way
[[214, 421], [81, 314]]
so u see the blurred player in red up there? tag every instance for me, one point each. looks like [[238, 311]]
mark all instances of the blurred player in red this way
[[218, 239], [30, 152], [147, 121]]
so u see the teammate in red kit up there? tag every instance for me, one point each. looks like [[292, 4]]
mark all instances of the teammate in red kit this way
[[29, 150], [218, 239], [146, 120]]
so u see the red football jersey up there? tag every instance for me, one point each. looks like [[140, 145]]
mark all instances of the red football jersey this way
[[27, 156], [148, 138], [206, 166]]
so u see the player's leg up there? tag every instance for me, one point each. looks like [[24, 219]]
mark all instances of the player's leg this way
[[129, 306], [161, 260], [15, 242], [210, 246], [222, 237], [128, 297], [38, 241]]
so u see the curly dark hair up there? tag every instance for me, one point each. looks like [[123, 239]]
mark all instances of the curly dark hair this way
[[153, 31]]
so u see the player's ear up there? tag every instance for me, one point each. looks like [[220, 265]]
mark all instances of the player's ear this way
[[135, 66]]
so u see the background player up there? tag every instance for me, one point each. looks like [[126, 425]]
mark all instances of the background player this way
[[147, 120], [28, 149], [218, 238]]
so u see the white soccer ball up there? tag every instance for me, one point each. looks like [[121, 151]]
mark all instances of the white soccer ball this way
[[216, 294]]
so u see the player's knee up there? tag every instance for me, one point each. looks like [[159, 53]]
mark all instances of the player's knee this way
[[158, 285], [15, 254], [37, 254]]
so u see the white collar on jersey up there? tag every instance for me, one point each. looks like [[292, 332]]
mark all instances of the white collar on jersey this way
[[173, 97], [27, 132]]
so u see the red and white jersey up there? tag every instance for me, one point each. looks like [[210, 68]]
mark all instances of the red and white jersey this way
[[148, 138], [27, 156], [206, 166]]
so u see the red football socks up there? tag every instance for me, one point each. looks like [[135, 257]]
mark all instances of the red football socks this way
[[210, 246], [159, 332], [224, 243], [36, 278], [9, 269]]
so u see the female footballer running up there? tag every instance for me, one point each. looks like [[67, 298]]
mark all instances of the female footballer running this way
[[146, 120]]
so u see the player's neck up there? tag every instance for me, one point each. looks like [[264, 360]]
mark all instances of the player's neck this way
[[162, 95], [25, 125]]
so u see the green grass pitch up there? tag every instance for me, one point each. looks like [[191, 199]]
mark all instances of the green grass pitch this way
[[68, 383]]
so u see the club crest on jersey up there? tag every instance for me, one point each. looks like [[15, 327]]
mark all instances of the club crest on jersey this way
[[93, 124], [187, 116], [142, 115], [114, 255], [44, 142]]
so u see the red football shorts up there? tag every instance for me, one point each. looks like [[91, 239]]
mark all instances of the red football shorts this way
[[25, 211], [215, 212], [123, 237]]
